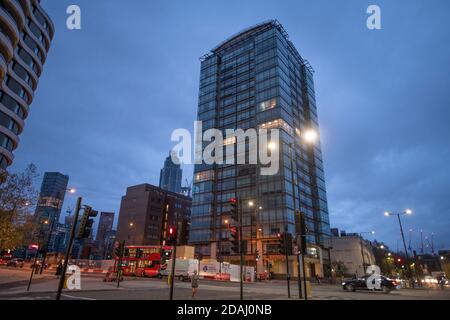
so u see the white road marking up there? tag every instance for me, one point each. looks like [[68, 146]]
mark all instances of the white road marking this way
[[74, 297]]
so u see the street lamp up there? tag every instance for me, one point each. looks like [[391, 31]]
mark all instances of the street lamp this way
[[309, 136], [406, 212], [272, 146]]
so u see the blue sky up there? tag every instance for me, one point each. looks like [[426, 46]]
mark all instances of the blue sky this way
[[112, 93]]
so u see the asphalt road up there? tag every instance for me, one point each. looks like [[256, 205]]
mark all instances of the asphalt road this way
[[13, 287]]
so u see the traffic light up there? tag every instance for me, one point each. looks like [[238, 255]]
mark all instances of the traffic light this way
[[288, 243], [119, 249], [281, 243], [234, 238], [303, 233], [285, 243], [234, 213], [172, 237], [257, 257], [85, 227]]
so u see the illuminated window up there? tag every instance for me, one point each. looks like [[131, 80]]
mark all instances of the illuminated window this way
[[266, 105], [230, 140], [278, 123], [204, 176]]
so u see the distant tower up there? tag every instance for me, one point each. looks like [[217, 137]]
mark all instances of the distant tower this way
[[51, 197], [170, 177]]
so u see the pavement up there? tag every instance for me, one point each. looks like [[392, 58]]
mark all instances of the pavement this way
[[13, 285]]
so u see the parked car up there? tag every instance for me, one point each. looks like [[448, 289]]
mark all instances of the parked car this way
[[15, 262], [387, 285]]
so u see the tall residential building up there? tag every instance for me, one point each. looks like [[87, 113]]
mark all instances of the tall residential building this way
[[105, 225], [170, 176], [51, 198], [146, 213], [26, 32], [257, 79]]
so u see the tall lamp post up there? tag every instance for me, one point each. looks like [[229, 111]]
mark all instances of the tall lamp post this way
[[362, 249], [406, 212], [310, 137]]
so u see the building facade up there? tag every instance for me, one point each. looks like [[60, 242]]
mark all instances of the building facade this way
[[50, 202], [26, 32], [353, 252], [147, 211], [170, 176], [257, 79], [105, 225]]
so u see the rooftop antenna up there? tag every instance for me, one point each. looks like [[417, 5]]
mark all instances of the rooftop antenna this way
[[421, 241], [432, 243], [187, 189], [409, 241]]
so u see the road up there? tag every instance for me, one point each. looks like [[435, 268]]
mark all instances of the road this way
[[13, 285]]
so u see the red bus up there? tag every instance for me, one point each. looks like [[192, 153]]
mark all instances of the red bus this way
[[144, 261]]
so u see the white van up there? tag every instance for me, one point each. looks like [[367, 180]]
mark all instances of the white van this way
[[184, 268]]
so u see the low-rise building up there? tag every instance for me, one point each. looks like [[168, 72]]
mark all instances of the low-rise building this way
[[353, 252], [147, 212]]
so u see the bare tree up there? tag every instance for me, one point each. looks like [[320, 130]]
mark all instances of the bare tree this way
[[17, 197]]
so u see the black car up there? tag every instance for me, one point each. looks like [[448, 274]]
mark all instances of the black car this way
[[351, 285]]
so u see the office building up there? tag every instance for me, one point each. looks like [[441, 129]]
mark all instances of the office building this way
[[48, 208], [26, 32], [257, 80], [105, 225], [146, 213], [170, 176]]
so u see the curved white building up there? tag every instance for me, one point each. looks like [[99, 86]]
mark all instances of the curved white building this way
[[26, 32]]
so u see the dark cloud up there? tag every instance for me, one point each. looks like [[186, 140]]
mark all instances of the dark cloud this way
[[112, 93]]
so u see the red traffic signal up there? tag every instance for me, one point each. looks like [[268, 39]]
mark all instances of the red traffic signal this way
[[233, 200], [33, 247], [172, 231]]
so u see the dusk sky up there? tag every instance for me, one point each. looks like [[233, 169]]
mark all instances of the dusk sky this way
[[112, 93]]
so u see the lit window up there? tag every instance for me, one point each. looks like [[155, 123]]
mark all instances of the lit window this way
[[230, 140], [204, 176], [269, 104], [278, 123]]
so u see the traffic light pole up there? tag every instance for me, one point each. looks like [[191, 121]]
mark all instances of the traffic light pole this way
[[69, 249], [241, 251], [119, 263], [172, 272], [288, 276], [33, 268], [304, 273]]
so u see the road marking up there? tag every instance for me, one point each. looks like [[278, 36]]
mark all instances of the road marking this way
[[74, 297]]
